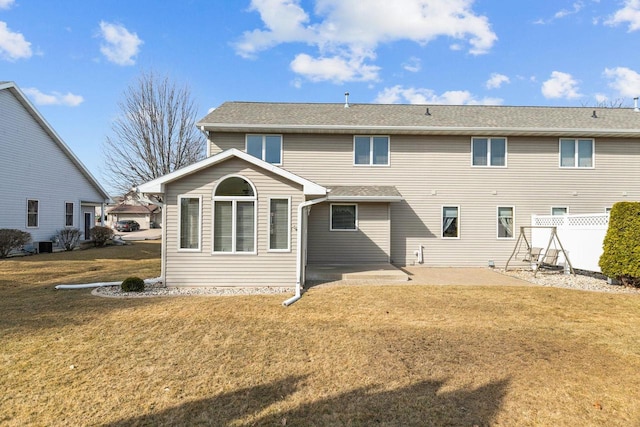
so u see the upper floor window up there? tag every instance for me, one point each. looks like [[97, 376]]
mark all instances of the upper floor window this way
[[371, 150], [265, 147], [489, 152], [33, 210], [576, 153], [234, 216], [68, 214]]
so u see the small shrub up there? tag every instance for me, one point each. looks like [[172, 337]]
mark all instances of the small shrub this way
[[620, 258], [132, 284], [100, 235], [11, 239], [68, 238]]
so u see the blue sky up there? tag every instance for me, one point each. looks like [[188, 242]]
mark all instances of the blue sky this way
[[74, 59]]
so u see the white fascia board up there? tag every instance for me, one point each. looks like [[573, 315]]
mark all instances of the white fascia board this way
[[157, 185]]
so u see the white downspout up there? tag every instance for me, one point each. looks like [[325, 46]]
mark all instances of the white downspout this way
[[298, 293]]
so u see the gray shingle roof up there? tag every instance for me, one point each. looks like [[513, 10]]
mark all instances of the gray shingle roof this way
[[412, 119], [364, 192]]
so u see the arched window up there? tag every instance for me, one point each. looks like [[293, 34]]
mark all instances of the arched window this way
[[234, 216]]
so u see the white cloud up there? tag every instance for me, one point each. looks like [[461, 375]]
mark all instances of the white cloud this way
[[349, 31], [576, 7], [496, 80], [624, 80], [561, 85], [601, 98], [55, 98], [6, 4], [413, 65], [13, 46], [336, 68], [398, 94], [119, 46], [630, 14]]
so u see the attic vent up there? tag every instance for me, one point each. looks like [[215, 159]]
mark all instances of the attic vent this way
[[346, 100]]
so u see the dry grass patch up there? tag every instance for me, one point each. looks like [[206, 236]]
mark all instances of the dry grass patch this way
[[361, 356]]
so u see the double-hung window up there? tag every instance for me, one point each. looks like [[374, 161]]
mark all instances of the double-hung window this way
[[189, 222], [344, 217], [234, 216], [489, 152], [576, 153], [505, 222], [68, 214], [450, 222], [279, 224], [265, 147], [33, 212], [371, 150]]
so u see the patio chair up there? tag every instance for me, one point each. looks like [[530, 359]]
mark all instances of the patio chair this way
[[533, 255], [550, 260]]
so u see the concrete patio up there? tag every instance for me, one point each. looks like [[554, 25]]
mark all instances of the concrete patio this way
[[390, 274]]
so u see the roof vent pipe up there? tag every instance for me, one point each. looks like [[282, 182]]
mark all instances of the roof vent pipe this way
[[346, 100], [594, 115], [635, 104]]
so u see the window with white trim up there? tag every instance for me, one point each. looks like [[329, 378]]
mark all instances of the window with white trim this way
[[559, 210], [234, 216], [505, 222], [265, 147], [279, 224], [450, 222], [68, 214], [33, 213], [371, 150], [189, 221], [489, 152], [344, 217], [577, 153]]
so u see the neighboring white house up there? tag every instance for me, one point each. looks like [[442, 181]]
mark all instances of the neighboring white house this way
[[129, 207], [44, 186]]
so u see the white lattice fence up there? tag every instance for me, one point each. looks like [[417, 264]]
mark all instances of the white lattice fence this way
[[581, 236]]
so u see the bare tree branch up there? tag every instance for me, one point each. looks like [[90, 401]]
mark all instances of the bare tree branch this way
[[154, 134]]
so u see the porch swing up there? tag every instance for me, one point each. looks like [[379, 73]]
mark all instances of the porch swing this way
[[542, 259]]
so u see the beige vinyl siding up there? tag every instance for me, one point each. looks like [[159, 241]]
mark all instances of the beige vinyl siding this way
[[206, 269], [368, 244], [432, 171]]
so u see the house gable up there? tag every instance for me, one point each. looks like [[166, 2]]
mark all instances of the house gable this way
[[157, 186], [35, 164]]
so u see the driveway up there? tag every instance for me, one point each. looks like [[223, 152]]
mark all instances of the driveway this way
[[150, 234]]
